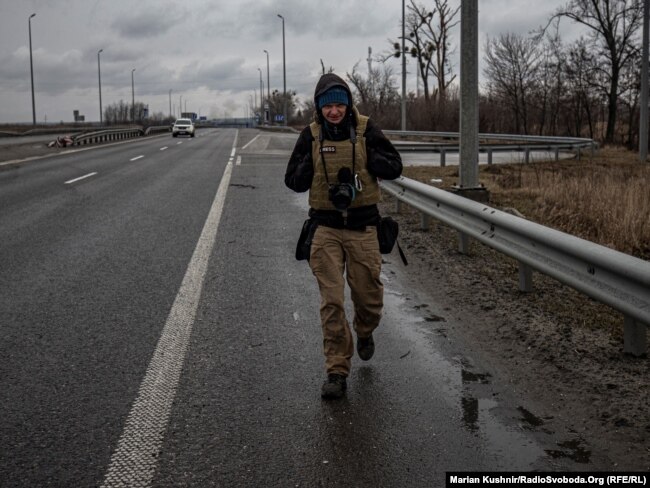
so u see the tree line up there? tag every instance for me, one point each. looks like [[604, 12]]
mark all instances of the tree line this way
[[532, 84], [121, 113]]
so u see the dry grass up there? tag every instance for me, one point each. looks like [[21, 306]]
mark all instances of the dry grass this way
[[604, 199]]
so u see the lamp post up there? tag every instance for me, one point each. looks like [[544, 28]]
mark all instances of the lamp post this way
[[180, 106], [268, 83], [31, 68], [261, 93], [170, 105], [284, 74], [132, 97], [268, 79], [99, 76]]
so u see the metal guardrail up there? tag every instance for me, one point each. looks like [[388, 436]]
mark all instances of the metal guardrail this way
[[106, 135], [614, 278], [524, 143], [157, 128]]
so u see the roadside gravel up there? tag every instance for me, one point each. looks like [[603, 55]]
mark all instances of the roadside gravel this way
[[560, 348]]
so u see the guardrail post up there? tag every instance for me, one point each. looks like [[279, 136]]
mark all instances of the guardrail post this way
[[443, 158], [557, 153], [424, 221], [634, 337], [527, 155], [525, 278], [463, 243], [398, 205], [489, 153]]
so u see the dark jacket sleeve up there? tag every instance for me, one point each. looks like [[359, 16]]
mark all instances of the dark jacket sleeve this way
[[383, 159], [300, 170]]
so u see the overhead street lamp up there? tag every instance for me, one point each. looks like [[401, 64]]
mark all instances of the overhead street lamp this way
[[99, 76], [31, 68], [261, 93], [132, 97], [284, 73], [268, 82]]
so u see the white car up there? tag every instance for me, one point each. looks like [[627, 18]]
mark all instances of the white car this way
[[183, 127]]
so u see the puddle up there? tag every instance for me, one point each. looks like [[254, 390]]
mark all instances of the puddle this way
[[479, 413], [469, 377], [470, 413], [572, 450], [435, 318], [529, 418]]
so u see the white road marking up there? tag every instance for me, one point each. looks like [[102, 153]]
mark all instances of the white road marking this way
[[80, 178], [134, 461], [163, 148], [136, 158], [238, 161], [179, 142], [250, 142]]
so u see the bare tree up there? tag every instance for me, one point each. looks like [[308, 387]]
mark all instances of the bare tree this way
[[377, 94], [428, 38], [512, 71], [613, 26], [276, 103], [581, 94]]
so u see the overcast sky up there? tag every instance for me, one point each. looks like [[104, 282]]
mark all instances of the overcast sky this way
[[206, 51]]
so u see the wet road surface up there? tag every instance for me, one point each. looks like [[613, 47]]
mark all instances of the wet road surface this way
[[165, 285]]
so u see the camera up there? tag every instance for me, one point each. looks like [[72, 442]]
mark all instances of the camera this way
[[342, 194]]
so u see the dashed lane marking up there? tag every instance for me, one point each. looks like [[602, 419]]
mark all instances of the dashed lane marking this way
[[80, 178], [136, 158], [134, 461]]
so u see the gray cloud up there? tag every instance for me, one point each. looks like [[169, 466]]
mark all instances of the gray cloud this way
[[149, 23]]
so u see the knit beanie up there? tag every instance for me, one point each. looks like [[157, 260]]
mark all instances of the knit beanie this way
[[334, 95]]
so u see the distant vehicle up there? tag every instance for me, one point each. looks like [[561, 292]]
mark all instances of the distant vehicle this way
[[183, 127]]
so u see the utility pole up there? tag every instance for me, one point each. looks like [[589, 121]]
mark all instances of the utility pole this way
[[99, 75], [468, 170], [31, 68], [284, 72], [403, 65], [170, 105], [132, 97], [469, 94]]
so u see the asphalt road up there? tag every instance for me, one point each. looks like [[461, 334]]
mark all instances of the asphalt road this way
[[157, 331]]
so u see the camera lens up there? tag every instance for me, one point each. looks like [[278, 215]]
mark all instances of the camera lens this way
[[341, 195]]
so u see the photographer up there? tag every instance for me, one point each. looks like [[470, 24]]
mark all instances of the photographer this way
[[339, 158]]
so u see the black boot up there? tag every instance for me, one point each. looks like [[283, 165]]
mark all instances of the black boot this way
[[365, 347], [334, 386]]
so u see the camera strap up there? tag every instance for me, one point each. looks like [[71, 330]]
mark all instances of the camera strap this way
[[353, 140]]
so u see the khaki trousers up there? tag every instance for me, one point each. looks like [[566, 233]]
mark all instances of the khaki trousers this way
[[333, 252]]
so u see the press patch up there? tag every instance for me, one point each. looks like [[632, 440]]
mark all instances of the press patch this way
[[328, 149]]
